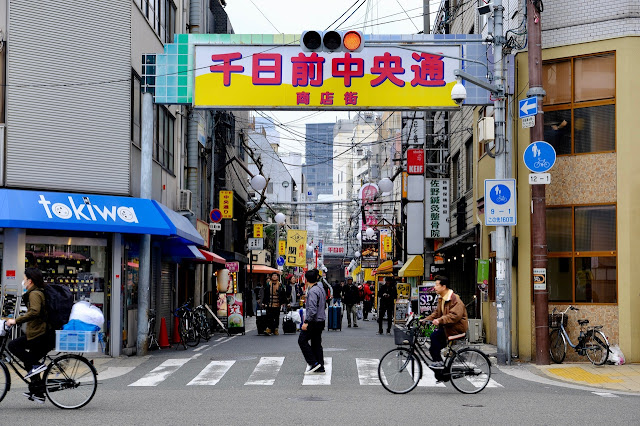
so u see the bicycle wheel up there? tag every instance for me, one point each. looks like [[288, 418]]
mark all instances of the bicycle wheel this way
[[70, 381], [469, 370], [399, 370], [557, 346], [597, 347], [204, 329], [5, 380], [188, 333]]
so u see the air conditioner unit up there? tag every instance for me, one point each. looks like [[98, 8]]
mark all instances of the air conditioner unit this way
[[184, 201], [486, 130], [475, 330]]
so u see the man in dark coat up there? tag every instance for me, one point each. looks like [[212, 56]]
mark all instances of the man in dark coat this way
[[387, 302]]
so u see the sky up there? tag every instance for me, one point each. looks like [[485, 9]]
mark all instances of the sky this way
[[296, 16]]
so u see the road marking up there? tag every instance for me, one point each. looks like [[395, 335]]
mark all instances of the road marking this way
[[266, 371], [368, 371], [161, 372], [319, 379], [200, 348], [112, 372], [429, 378], [217, 340], [212, 373], [606, 394]]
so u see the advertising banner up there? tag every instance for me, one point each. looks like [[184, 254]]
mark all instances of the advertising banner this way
[[235, 309], [403, 290], [437, 199], [370, 250], [282, 247], [427, 298], [296, 248], [258, 231], [385, 243], [483, 271], [226, 204], [263, 77]]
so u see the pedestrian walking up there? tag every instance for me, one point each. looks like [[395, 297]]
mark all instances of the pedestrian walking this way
[[271, 303], [351, 298], [311, 330], [387, 301], [367, 300], [337, 292]]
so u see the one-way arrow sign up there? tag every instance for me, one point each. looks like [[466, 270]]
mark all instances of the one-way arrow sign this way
[[528, 107]]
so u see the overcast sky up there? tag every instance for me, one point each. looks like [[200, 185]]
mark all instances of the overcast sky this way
[[296, 16]]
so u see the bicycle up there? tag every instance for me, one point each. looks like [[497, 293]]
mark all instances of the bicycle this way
[[541, 163], [186, 326], [424, 331], [70, 380], [201, 322], [400, 369], [591, 342], [151, 332]]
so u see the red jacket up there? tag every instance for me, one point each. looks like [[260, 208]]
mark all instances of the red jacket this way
[[367, 293]]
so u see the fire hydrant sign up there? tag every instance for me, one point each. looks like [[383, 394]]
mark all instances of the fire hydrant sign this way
[[415, 161]]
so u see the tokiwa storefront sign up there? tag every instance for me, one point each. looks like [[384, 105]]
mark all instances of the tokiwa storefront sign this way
[[238, 76]]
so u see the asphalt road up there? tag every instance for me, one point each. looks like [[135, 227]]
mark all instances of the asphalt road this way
[[252, 380]]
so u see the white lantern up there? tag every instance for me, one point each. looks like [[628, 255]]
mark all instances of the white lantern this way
[[385, 185], [223, 280], [370, 232], [356, 254], [359, 236], [258, 182], [280, 218]]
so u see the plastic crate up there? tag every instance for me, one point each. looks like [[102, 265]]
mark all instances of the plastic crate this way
[[403, 336], [77, 341], [554, 320]]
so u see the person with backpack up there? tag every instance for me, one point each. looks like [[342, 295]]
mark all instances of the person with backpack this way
[[39, 338]]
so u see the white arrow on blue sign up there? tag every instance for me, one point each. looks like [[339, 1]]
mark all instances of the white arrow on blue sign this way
[[527, 107], [539, 157]]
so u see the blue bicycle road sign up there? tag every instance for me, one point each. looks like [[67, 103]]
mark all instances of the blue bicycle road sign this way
[[539, 157], [500, 202]]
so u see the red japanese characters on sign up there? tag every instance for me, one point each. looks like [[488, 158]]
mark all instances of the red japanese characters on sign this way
[[334, 249], [415, 161], [226, 204]]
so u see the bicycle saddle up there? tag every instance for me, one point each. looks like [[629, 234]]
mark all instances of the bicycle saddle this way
[[583, 322], [457, 337]]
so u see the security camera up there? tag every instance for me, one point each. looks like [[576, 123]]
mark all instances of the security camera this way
[[458, 93]]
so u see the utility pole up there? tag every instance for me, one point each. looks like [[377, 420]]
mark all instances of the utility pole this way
[[539, 208]]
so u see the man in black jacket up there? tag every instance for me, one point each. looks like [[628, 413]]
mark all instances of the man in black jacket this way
[[351, 298], [387, 301]]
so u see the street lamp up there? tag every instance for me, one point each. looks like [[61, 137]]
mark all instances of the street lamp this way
[[385, 185], [280, 218], [258, 182], [369, 232], [356, 254]]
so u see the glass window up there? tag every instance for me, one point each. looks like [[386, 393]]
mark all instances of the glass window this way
[[595, 228], [596, 279], [559, 279], [557, 82], [595, 78], [557, 130], [595, 128], [559, 229]]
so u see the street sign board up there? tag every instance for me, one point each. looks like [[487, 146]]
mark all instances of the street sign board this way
[[415, 161], [215, 226], [256, 243], [528, 122], [527, 107], [539, 278], [539, 178], [500, 202], [215, 215], [280, 261], [539, 157]]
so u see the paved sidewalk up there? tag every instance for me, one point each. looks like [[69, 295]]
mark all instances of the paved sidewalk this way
[[624, 378]]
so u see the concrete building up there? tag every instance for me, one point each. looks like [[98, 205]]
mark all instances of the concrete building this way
[[317, 170]]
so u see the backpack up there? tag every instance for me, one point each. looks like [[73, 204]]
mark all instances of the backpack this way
[[58, 301]]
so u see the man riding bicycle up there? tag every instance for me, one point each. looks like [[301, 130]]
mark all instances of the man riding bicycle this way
[[450, 317]]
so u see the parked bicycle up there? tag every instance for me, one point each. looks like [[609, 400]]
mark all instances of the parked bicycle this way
[[70, 380], [591, 342], [151, 332], [400, 369], [203, 328], [187, 325]]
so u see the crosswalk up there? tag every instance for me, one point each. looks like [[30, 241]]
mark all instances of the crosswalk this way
[[267, 369]]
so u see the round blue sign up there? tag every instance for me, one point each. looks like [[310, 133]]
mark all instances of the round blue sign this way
[[539, 157], [215, 215], [500, 194], [280, 261]]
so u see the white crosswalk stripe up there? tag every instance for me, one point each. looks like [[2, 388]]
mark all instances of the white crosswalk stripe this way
[[212, 373], [319, 379], [266, 371], [161, 372], [368, 371], [429, 379]]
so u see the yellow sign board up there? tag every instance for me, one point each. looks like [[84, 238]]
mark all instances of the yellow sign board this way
[[252, 76], [296, 254], [282, 247], [226, 204], [258, 231], [387, 242], [403, 290]]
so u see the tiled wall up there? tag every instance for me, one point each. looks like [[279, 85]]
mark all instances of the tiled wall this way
[[605, 315], [573, 182]]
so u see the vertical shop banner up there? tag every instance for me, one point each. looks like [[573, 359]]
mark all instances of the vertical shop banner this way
[[296, 248], [427, 298], [415, 161], [282, 247], [437, 199], [258, 231], [370, 253], [367, 194], [403, 290], [384, 234], [235, 311], [226, 204], [483, 271]]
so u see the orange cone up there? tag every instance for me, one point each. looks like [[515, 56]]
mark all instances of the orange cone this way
[[176, 330], [164, 337]]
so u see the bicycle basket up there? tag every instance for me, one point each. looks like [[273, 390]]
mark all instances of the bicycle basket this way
[[554, 320], [403, 336]]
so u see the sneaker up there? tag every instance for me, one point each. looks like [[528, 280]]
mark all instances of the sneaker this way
[[388, 331], [355, 325], [317, 366], [380, 332], [276, 332], [437, 365], [366, 319], [349, 326], [320, 370], [37, 369], [267, 331], [39, 398]]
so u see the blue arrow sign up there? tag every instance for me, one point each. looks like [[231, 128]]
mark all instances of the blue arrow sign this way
[[539, 157], [280, 261], [527, 107]]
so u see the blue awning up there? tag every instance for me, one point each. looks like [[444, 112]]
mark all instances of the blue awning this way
[[92, 213], [180, 225], [176, 249]]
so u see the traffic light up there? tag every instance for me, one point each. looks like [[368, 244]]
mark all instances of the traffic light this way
[[332, 41]]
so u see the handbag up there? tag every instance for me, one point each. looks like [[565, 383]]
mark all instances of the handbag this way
[[359, 311]]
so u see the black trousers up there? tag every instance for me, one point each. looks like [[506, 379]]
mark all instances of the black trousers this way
[[389, 310], [312, 353], [366, 309], [274, 318], [438, 342], [30, 352]]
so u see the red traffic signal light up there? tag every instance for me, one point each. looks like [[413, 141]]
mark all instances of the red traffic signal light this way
[[332, 41]]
